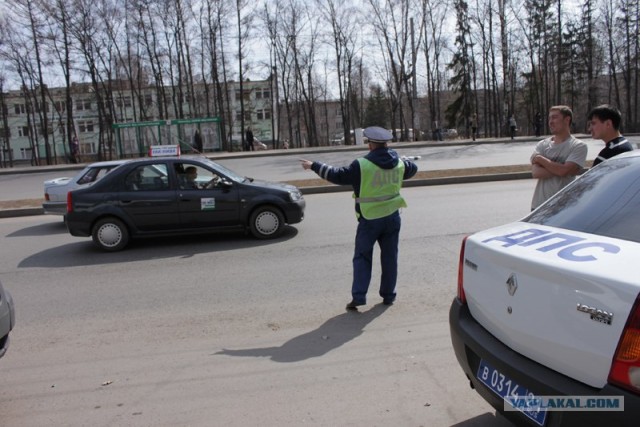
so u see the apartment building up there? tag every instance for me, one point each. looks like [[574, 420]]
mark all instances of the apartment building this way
[[136, 120]]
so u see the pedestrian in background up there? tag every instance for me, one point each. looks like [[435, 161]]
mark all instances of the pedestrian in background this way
[[604, 124], [75, 150], [197, 141], [376, 180], [513, 126], [556, 160], [473, 122], [437, 132], [537, 123], [249, 140]]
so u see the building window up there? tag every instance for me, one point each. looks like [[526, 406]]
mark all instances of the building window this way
[[60, 106], [20, 108], [263, 93], [83, 104], [46, 107], [247, 116], [263, 114], [148, 99], [245, 92], [23, 131], [85, 126], [125, 102], [25, 153], [50, 128]]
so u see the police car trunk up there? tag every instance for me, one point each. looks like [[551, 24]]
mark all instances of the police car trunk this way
[[549, 305], [561, 298]]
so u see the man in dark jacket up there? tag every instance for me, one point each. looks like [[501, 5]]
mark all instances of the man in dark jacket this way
[[376, 180], [604, 124]]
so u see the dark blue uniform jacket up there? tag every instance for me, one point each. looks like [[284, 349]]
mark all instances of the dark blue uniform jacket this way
[[383, 157]]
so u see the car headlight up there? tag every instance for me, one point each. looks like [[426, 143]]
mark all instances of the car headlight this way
[[295, 195]]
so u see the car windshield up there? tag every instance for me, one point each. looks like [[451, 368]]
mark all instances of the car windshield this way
[[605, 201], [228, 172]]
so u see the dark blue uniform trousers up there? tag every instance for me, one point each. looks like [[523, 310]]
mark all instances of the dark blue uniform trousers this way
[[386, 232]]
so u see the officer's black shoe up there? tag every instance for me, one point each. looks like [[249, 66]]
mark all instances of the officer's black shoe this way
[[387, 301], [353, 305]]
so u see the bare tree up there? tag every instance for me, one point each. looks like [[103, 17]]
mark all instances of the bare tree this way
[[15, 51], [243, 21], [434, 43], [213, 14], [59, 41], [391, 21], [88, 34], [613, 93], [148, 37], [6, 153], [343, 21], [30, 17]]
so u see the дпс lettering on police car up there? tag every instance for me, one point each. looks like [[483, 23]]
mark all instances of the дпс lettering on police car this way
[[546, 241]]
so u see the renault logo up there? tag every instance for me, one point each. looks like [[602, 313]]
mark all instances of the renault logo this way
[[512, 284]]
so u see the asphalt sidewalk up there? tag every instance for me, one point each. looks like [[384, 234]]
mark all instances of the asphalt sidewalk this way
[[474, 175]]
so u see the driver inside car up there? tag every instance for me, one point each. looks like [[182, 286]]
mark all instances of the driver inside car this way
[[190, 176]]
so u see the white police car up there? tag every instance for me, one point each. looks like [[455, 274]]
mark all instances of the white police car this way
[[550, 306], [55, 190]]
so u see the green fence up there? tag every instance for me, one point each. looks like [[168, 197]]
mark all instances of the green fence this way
[[133, 139]]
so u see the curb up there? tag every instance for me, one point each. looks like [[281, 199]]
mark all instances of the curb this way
[[466, 179], [11, 213]]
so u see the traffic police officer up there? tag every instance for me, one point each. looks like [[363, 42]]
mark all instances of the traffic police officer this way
[[376, 180]]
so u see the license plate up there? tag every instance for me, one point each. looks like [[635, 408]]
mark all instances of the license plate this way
[[503, 386]]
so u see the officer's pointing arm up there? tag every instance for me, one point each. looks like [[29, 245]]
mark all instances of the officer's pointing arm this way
[[410, 169]]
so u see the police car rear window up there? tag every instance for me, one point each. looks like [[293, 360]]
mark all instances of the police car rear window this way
[[605, 201]]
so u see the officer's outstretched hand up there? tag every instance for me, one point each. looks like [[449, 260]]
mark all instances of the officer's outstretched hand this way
[[306, 164]]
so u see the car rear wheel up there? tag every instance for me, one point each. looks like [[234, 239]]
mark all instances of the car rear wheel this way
[[110, 234], [266, 222]]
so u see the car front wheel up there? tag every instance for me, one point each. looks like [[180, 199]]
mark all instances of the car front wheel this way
[[110, 234], [266, 222]]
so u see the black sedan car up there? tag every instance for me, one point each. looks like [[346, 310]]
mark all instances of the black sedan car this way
[[178, 195]]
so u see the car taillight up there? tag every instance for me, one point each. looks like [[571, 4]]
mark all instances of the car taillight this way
[[46, 196], [625, 370], [461, 295], [69, 203]]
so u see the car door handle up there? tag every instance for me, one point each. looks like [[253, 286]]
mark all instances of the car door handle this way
[[126, 202]]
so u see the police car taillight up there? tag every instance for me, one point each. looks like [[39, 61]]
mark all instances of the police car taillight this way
[[625, 370], [69, 202], [46, 196], [461, 295]]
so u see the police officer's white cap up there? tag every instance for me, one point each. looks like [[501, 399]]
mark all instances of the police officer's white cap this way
[[377, 135]]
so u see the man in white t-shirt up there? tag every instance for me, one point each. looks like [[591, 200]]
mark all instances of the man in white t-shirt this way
[[556, 160]]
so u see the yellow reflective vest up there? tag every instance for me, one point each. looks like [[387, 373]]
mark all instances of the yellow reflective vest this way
[[380, 189]]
